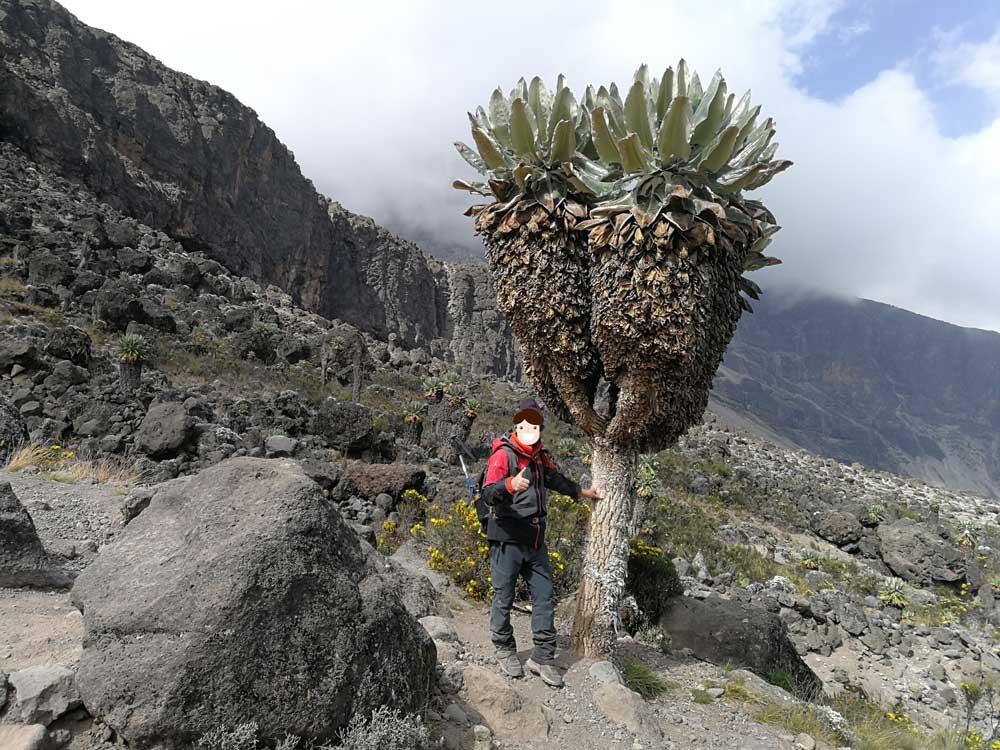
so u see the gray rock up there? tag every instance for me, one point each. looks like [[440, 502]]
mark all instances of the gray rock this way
[[41, 694], [456, 714], [626, 708], [915, 553], [725, 631], [243, 570], [345, 425], [371, 480], [837, 527], [135, 503], [165, 430], [604, 672], [440, 628], [48, 269], [280, 445], [70, 343], [23, 560], [23, 737]]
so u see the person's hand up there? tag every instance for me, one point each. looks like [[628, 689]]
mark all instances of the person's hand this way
[[590, 493], [520, 482]]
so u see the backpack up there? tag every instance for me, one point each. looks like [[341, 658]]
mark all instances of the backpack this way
[[482, 509]]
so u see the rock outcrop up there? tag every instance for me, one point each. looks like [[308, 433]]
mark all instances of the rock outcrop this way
[[23, 560], [915, 553], [477, 335], [241, 592], [724, 631], [187, 158]]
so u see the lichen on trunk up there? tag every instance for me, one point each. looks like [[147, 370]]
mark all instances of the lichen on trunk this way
[[605, 563]]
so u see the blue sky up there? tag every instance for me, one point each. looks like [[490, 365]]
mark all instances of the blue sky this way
[[865, 37], [889, 109]]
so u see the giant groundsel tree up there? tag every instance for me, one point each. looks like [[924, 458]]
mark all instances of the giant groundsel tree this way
[[617, 235]]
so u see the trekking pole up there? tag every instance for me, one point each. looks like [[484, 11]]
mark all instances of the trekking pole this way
[[461, 449]]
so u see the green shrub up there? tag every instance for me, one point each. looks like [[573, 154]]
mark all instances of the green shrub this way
[[651, 579], [385, 729], [240, 737], [643, 680]]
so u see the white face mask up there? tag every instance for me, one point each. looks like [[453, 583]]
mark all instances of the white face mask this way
[[527, 432]]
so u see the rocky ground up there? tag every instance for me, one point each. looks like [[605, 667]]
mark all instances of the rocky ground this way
[[885, 585], [41, 634]]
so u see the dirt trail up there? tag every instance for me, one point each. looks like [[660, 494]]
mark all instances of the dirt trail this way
[[577, 724]]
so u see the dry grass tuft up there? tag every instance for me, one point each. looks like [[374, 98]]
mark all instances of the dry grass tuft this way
[[61, 465]]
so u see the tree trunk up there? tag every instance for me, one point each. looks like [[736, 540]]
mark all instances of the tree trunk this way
[[356, 379], [605, 560], [129, 375]]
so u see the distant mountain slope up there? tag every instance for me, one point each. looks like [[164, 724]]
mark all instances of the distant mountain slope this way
[[868, 382]]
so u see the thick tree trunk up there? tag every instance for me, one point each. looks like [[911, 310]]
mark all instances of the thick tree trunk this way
[[605, 561]]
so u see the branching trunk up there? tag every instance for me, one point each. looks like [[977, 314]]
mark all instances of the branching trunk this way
[[605, 562]]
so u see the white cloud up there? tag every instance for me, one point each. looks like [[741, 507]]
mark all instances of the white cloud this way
[[974, 64], [371, 95]]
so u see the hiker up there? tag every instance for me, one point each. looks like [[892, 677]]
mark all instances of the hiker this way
[[518, 476]]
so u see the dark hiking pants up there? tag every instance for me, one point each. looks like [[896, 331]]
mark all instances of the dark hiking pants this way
[[508, 560]]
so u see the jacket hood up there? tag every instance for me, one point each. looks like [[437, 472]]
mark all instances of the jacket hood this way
[[506, 439]]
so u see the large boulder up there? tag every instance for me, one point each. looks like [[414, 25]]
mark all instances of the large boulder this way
[[165, 430], [916, 553], [371, 480], [239, 592], [346, 425], [23, 560], [13, 431], [837, 527], [725, 631], [70, 343], [443, 420]]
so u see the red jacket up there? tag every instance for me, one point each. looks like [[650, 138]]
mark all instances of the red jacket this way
[[520, 516]]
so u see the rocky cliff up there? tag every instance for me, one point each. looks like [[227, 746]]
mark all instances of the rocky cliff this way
[[185, 157]]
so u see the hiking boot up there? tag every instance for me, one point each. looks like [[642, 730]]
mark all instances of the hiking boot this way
[[510, 664], [549, 674]]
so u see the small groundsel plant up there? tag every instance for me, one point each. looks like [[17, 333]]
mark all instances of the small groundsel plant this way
[[472, 407], [875, 513], [967, 537], [809, 559], [132, 348], [893, 593], [413, 412], [646, 479]]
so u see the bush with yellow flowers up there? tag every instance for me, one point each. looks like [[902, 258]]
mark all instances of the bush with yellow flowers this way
[[457, 548], [565, 535], [393, 534]]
